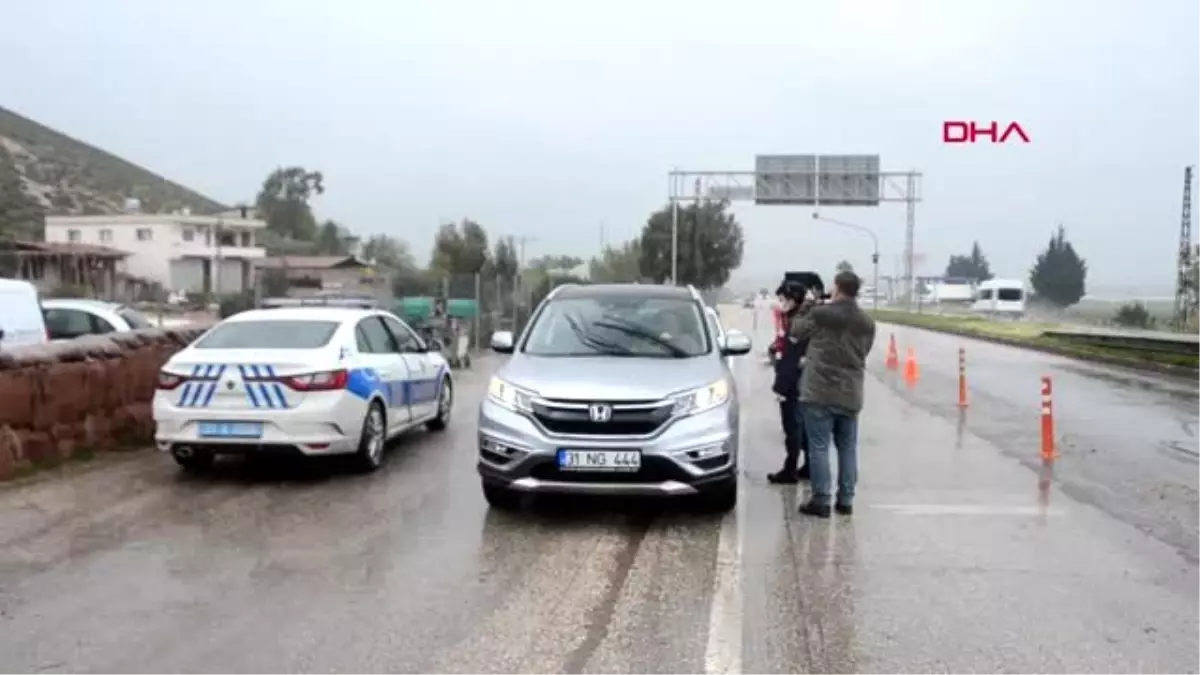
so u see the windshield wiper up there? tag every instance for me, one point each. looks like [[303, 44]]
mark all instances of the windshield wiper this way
[[640, 331], [595, 342]]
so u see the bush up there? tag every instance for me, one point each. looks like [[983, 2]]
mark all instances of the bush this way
[[235, 304], [1133, 315]]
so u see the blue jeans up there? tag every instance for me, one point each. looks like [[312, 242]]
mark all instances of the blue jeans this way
[[821, 424]]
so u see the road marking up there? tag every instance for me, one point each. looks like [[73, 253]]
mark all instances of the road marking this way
[[723, 651], [967, 510]]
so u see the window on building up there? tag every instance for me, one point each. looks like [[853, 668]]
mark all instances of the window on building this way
[[228, 239], [188, 234], [247, 239], [73, 235], [145, 234], [105, 236]]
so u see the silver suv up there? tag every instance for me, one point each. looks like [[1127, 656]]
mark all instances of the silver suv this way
[[617, 389]]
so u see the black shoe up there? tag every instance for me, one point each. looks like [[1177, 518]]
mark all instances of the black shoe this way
[[844, 509], [803, 473], [782, 477], [815, 509]]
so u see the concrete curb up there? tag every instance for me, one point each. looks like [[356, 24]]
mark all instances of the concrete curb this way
[[1142, 366]]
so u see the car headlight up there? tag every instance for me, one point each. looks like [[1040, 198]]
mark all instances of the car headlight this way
[[704, 398], [504, 394]]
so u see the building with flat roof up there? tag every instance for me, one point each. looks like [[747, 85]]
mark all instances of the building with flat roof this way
[[182, 252]]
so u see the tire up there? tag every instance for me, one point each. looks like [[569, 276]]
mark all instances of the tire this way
[[198, 461], [445, 407], [720, 500], [501, 497], [372, 440]]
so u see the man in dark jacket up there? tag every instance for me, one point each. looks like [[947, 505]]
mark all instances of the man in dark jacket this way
[[839, 337], [787, 388]]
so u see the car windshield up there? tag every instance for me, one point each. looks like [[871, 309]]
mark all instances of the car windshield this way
[[271, 334], [134, 318], [619, 326]]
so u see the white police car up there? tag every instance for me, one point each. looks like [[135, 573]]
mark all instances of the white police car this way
[[313, 380]]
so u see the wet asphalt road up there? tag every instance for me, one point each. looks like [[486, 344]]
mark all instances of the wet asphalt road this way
[[962, 556]]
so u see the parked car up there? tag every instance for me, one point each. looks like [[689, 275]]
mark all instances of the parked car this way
[[67, 319], [618, 389], [313, 381], [21, 320]]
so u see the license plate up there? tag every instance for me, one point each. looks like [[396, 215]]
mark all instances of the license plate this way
[[231, 429], [599, 460]]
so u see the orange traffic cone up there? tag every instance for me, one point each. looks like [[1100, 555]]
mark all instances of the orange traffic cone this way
[[911, 372], [893, 357]]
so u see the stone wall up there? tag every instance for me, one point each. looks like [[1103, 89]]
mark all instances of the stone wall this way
[[93, 394]]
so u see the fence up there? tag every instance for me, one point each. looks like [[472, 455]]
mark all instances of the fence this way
[[487, 303]]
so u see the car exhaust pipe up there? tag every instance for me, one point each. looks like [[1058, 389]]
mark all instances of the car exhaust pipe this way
[[183, 451]]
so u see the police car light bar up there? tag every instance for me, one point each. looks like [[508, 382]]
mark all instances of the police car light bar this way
[[320, 301]]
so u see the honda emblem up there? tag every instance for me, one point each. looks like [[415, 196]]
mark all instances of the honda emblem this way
[[599, 412]]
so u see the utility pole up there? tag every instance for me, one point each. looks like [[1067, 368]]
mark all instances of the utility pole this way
[[217, 263], [1185, 286], [521, 240]]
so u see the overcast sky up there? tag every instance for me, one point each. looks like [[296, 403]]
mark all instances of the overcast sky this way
[[559, 120]]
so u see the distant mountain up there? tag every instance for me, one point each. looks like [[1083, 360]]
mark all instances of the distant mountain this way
[[69, 177]]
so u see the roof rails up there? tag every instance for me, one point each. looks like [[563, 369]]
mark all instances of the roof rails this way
[[359, 302], [695, 294]]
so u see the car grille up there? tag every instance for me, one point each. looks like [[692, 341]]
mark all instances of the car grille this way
[[629, 418], [653, 470]]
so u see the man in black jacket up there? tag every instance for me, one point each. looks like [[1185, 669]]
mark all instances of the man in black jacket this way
[[788, 366]]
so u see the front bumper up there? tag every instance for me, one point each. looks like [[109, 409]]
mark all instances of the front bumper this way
[[691, 455]]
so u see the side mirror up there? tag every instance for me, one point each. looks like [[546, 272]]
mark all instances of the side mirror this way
[[736, 344], [502, 342]]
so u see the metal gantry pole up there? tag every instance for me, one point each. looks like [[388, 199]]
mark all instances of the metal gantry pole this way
[[674, 232], [910, 222]]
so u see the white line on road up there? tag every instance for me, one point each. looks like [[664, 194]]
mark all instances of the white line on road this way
[[723, 652], [967, 510]]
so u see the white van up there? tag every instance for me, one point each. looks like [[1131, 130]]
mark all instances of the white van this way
[[1000, 297], [21, 319]]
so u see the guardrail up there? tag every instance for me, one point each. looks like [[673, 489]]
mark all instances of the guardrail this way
[[1162, 344]]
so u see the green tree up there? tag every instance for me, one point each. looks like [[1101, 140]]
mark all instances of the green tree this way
[[333, 239], [1133, 315], [284, 198], [460, 249], [278, 244], [21, 216], [504, 263], [620, 264], [1059, 275], [843, 266], [710, 244], [560, 264], [974, 266], [388, 253]]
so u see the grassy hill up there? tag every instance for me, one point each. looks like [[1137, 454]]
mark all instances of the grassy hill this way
[[69, 177]]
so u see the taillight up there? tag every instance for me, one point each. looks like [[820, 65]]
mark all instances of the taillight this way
[[326, 381], [169, 381]]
